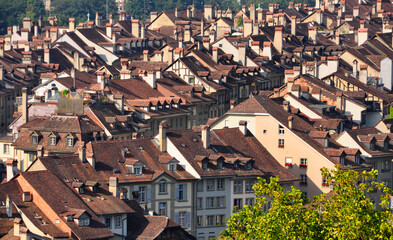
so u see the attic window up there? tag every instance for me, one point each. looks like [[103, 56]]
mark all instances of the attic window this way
[[342, 160], [357, 159], [372, 146], [70, 140], [34, 140], [52, 141], [249, 165], [137, 171], [172, 167], [219, 164], [204, 166], [386, 145]]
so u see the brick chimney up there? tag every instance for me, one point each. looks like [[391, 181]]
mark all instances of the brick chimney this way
[[162, 136], [71, 24], [135, 27], [25, 113], [215, 54], [293, 25], [362, 35], [267, 50], [278, 39], [206, 136]]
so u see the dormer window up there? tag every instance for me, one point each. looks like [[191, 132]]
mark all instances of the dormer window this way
[[250, 164], [372, 146], [34, 140], [137, 170], [70, 140], [52, 141], [357, 158], [219, 164], [326, 141], [342, 160], [386, 145], [172, 167], [204, 165]]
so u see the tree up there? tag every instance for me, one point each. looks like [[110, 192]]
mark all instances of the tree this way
[[12, 12], [78, 9], [344, 213]]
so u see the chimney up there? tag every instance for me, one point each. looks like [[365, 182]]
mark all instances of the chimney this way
[[206, 43], [252, 12], [318, 16], [1, 72], [363, 75], [111, 18], [242, 53], [355, 11], [215, 54], [208, 12], [332, 63], [255, 47], [8, 206], [206, 136], [293, 25], [82, 152], [25, 113], [143, 31], [76, 60], [230, 14], [153, 16], [189, 13], [98, 19], [151, 79], [317, 4], [162, 136], [187, 33], [47, 44], [193, 11], [278, 39], [243, 127], [159, 57], [247, 31], [267, 50], [379, 5], [71, 24], [35, 31], [339, 101], [170, 56], [24, 234], [135, 27], [362, 35], [290, 122], [27, 23], [285, 104], [12, 168], [24, 34], [145, 55], [202, 28], [114, 186], [109, 30], [313, 34], [53, 34], [17, 223], [177, 12], [178, 53]]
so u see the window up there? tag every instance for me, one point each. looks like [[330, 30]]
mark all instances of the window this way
[[118, 222], [6, 148], [288, 162], [219, 164], [16, 136], [192, 80], [250, 202], [238, 186], [162, 209], [70, 142], [303, 180], [199, 203], [34, 140], [220, 202], [182, 192], [52, 141], [249, 185], [280, 129], [210, 202], [281, 143], [108, 222], [182, 219], [199, 221], [162, 186], [172, 167], [31, 157], [86, 221], [386, 166], [220, 220], [200, 186], [142, 194], [210, 220], [137, 171], [238, 202], [357, 159], [342, 160], [220, 184], [303, 162], [210, 185]]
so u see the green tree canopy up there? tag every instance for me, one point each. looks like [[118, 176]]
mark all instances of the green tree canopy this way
[[12, 12], [344, 213], [78, 9]]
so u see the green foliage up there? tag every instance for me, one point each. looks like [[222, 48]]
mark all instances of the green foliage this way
[[391, 113], [78, 9], [283, 3], [345, 213], [240, 22], [12, 12]]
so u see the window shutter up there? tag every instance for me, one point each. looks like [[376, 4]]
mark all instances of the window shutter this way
[[185, 192], [177, 218], [177, 192], [188, 219], [148, 193]]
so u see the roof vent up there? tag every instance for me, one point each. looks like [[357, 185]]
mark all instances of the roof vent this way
[[183, 145], [195, 140], [116, 170]]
